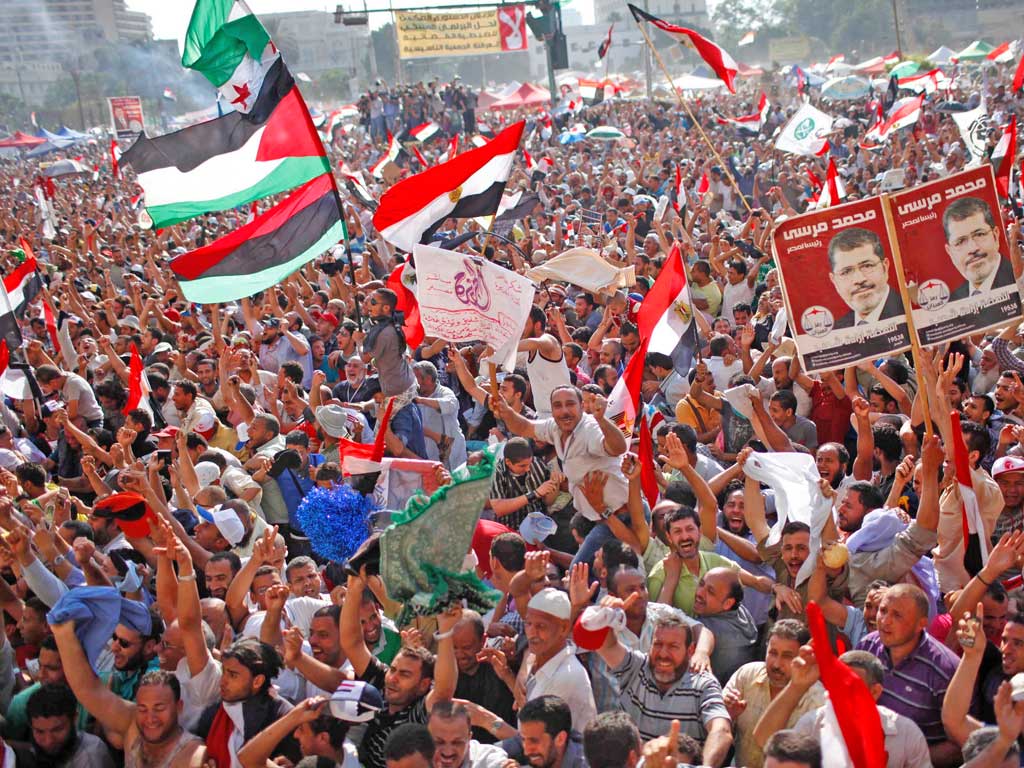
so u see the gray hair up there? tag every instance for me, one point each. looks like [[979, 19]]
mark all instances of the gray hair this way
[[868, 663], [980, 740], [427, 368]]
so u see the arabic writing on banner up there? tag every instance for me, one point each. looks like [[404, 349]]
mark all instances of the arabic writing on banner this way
[[463, 298], [499, 30], [955, 256], [126, 116], [839, 284]]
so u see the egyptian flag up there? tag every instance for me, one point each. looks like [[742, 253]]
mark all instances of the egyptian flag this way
[[452, 151], [419, 157], [905, 114], [470, 185], [679, 192], [1002, 54], [645, 454], [852, 733], [975, 544], [516, 206], [394, 150], [23, 283], [265, 251], [752, 122], [834, 190], [138, 384], [839, 58], [602, 50], [928, 82], [402, 281], [665, 324], [424, 132], [714, 56], [484, 129], [537, 168], [1003, 155], [357, 188], [892, 92], [592, 91], [10, 331], [115, 154], [1018, 76], [232, 160], [363, 458]]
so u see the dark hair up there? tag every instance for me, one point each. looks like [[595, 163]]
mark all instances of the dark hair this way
[[550, 710], [47, 373], [409, 739], [786, 400], [518, 449], [887, 440], [336, 730], [234, 560], [587, 298], [185, 385], [851, 239], [215, 457], [997, 592], [161, 677], [718, 345], [509, 549], [794, 747], [682, 513], [989, 403], [977, 437], [423, 656], [878, 389], [616, 554], [300, 561], [30, 472], [575, 348], [608, 740], [868, 663], [387, 297], [143, 418], [738, 264], [841, 452], [795, 526], [52, 700], [537, 316], [790, 629], [687, 436], [897, 371], [80, 528], [964, 208], [450, 710], [518, 383], [658, 360], [258, 657], [292, 370], [869, 494]]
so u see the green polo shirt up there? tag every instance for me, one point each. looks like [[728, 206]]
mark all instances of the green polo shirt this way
[[682, 598]]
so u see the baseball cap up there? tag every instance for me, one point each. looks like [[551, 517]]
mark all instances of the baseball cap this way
[[207, 473], [552, 602], [356, 702], [205, 424], [329, 317], [166, 432], [1007, 464], [129, 510], [536, 527], [226, 520], [163, 346]]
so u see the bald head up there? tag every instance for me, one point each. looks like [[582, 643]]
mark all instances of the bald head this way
[[717, 592]]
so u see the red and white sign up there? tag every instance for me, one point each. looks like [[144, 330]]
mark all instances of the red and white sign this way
[[512, 27], [126, 116]]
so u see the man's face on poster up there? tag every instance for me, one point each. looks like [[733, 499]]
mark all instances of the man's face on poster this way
[[860, 278], [973, 247]]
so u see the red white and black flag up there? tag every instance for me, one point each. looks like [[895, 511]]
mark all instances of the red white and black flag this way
[[602, 49], [23, 282], [471, 185], [394, 150], [751, 122], [714, 55], [356, 187]]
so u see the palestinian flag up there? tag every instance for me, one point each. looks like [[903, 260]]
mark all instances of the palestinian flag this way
[[714, 56], [424, 132], [394, 150], [265, 251], [602, 50], [231, 160], [751, 122], [227, 45], [23, 283], [470, 185], [357, 188]]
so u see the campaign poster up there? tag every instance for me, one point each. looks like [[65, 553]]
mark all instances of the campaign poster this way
[[126, 116], [424, 34], [839, 283], [956, 256]]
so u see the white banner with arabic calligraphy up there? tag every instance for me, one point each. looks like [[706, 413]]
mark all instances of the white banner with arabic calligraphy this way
[[464, 298]]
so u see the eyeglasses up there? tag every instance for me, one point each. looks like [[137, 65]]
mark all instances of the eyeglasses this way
[[976, 236], [121, 641], [865, 268]]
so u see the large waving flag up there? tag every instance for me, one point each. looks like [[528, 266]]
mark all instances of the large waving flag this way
[[714, 55], [665, 324], [402, 281], [231, 160], [1003, 156], [471, 185], [265, 251], [806, 133], [905, 114], [852, 732], [751, 122], [23, 282], [227, 44], [834, 191]]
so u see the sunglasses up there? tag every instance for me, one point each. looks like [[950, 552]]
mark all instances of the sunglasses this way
[[121, 641]]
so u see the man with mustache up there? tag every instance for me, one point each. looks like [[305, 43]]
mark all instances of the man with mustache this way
[[972, 243], [860, 273]]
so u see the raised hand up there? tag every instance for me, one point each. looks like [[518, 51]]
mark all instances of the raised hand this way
[[536, 565], [970, 634], [676, 454], [581, 590]]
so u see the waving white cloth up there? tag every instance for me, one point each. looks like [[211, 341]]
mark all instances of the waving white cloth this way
[[586, 268]]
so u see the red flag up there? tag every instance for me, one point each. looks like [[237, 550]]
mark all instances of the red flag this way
[[115, 153], [714, 55], [407, 304], [975, 546], [680, 193], [1018, 77], [453, 148], [5, 356], [134, 381], [419, 156], [51, 326], [1003, 156], [373, 453], [815, 181], [704, 185], [851, 704], [645, 455]]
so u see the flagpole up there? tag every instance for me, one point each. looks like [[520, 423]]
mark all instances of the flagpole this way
[[682, 102], [908, 307]]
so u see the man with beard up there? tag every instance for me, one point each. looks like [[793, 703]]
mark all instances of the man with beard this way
[[1006, 396], [754, 685], [247, 705], [454, 747], [412, 684], [56, 743], [134, 649], [479, 678], [859, 272], [719, 604], [658, 687], [279, 345], [149, 727], [545, 738], [219, 572]]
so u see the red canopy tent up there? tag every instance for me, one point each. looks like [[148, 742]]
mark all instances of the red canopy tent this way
[[21, 140], [527, 95]]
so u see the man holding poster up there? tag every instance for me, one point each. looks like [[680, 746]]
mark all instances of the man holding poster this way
[[975, 288]]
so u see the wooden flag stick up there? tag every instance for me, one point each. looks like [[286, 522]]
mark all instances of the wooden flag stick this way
[[494, 381], [915, 344], [684, 105]]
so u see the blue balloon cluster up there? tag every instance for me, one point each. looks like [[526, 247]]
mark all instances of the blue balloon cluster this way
[[336, 520]]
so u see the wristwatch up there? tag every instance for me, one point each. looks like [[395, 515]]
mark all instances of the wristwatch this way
[[531, 496], [496, 725], [607, 513]]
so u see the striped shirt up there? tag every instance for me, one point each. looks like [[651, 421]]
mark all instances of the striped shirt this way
[[916, 687], [509, 486], [695, 699]]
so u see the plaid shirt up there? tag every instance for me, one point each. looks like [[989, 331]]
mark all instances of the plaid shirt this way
[[509, 486]]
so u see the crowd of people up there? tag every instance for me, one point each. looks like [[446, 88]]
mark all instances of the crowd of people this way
[[236, 643]]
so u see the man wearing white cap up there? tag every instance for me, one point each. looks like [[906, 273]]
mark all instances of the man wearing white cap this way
[[1008, 472], [551, 667], [218, 526]]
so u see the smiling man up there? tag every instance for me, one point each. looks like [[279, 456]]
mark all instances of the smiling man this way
[[972, 244], [860, 273]]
